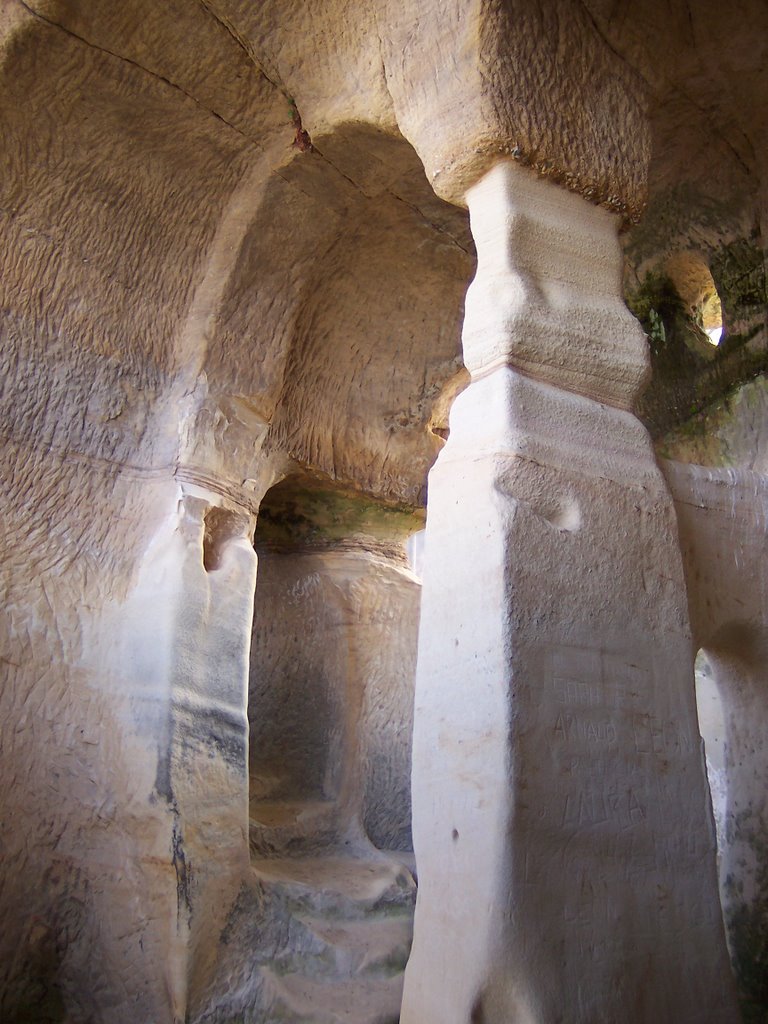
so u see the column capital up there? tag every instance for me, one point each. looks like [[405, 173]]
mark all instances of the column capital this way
[[547, 297]]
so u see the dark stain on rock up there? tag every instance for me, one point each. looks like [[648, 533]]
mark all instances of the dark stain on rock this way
[[182, 869]]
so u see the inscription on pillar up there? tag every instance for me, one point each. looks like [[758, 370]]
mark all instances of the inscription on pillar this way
[[594, 703]]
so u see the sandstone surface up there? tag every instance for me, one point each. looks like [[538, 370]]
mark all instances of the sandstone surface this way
[[236, 250]]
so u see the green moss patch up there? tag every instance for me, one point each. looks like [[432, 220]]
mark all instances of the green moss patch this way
[[302, 511]]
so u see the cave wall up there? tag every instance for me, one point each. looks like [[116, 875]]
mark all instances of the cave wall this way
[[236, 243], [722, 517], [706, 200]]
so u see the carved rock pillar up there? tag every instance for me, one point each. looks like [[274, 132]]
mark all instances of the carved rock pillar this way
[[182, 643], [723, 521], [565, 851], [333, 654]]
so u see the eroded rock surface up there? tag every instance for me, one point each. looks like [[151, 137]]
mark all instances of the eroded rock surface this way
[[235, 248]]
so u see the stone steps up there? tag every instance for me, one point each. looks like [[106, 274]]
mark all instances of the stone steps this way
[[300, 1000], [377, 946], [288, 828], [349, 922]]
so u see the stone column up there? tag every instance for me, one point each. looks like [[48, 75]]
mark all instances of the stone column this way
[[564, 846], [332, 674], [739, 670], [723, 522], [181, 641]]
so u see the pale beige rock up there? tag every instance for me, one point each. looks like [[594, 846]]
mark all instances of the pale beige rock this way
[[559, 784], [331, 697], [120, 313], [192, 302], [495, 83], [732, 433], [723, 517]]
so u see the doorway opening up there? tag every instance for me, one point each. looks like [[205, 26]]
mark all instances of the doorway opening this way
[[696, 289], [711, 714], [332, 671]]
